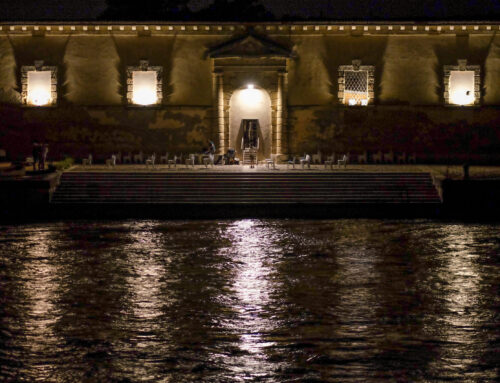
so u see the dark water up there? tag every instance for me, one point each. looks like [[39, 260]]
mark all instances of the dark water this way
[[250, 301]]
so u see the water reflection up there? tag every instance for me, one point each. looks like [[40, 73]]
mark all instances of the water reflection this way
[[462, 312], [144, 279], [249, 300], [39, 288], [252, 249]]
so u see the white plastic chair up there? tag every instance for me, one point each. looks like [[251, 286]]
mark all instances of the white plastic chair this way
[[164, 159], [291, 162], [87, 161], [209, 160], [389, 157], [363, 158], [111, 162], [150, 161], [306, 160], [377, 157], [342, 161], [329, 161], [271, 161], [139, 158], [127, 158], [401, 158], [190, 161], [172, 162], [316, 158]]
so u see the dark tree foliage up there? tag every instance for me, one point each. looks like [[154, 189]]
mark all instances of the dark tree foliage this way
[[220, 10], [401, 10], [235, 10], [259, 10], [251, 10], [146, 10]]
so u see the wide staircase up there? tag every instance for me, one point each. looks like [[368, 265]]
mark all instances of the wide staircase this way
[[291, 190]]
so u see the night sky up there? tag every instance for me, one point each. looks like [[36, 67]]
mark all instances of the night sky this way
[[326, 9]]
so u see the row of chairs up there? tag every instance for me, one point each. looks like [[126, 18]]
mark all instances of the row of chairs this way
[[151, 161], [306, 160], [366, 157], [207, 160], [387, 158]]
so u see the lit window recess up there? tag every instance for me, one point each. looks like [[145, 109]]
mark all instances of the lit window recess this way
[[356, 83], [461, 88], [356, 88], [39, 88], [144, 84], [39, 84], [462, 84], [144, 87]]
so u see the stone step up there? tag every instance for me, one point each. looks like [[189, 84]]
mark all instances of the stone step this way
[[220, 197], [245, 188]]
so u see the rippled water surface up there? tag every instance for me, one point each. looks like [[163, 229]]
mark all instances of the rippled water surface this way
[[250, 301]]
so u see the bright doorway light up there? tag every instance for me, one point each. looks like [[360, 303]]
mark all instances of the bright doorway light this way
[[251, 97], [144, 87]]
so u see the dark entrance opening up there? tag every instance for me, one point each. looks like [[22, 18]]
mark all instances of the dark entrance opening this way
[[250, 138]]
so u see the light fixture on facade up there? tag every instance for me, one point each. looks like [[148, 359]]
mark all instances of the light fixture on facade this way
[[39, 88], [250, 96], [144, 90]]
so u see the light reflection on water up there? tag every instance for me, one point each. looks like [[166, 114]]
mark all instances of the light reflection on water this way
[[461, 290], [40, 274], [251, 244], [249, 300]]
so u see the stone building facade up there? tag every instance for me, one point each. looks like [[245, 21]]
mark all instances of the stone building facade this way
[[427, 88]]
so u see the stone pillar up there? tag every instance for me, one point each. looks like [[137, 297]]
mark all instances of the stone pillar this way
[[281, 111], [219, 93]]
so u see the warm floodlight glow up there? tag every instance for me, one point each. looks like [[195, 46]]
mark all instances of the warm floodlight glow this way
[[144, 87], [39, 88], [355, 87], [251, 96], [356, 98], [461, 87]]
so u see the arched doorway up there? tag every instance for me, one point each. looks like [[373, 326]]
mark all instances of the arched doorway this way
[[250, 112]]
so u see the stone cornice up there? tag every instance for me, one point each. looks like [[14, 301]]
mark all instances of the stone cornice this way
[[272, 28]]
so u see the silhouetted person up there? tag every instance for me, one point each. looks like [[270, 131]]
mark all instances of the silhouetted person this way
[[44, 150], [211, 147], [36, 154]]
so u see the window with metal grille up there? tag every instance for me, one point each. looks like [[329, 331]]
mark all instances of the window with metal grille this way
[[356, 87]]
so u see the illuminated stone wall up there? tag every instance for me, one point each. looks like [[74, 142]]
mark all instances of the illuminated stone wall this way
[[92, 111]]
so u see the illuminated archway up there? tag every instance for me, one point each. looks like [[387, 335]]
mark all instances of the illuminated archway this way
[[250, 103]]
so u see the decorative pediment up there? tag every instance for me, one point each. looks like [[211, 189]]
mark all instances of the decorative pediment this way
[[251, 46]]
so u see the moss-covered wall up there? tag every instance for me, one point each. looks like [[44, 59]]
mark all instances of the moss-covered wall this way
[[434, 133], [78, 131]]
